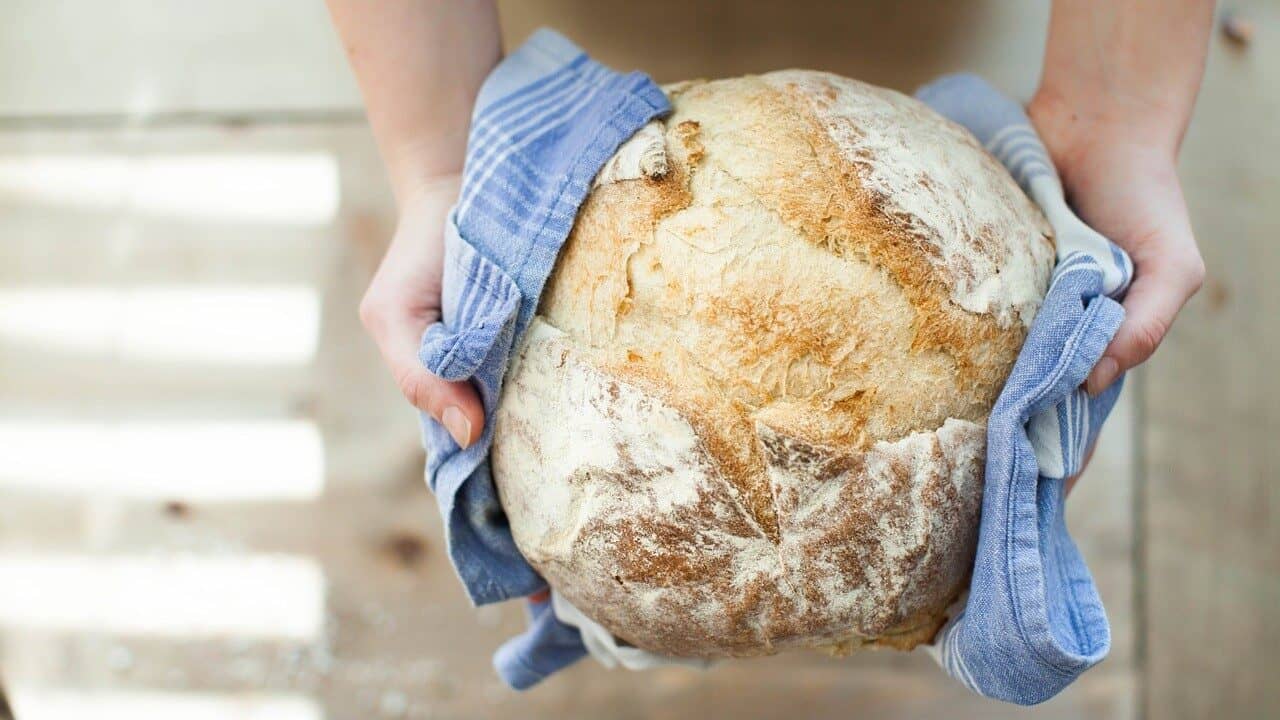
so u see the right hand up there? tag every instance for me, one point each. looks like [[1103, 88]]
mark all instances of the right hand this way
[[403, 298], [1124, 183]]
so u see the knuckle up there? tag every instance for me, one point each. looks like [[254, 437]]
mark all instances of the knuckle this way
[[1185, 270], [372, 311], [1147, 336], [1195, 272], [416, 388]]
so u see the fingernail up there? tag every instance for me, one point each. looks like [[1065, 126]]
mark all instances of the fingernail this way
[[458, 425], [1104, 373]]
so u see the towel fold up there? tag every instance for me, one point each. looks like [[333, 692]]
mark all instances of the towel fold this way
[[546, 120], [1033, 620]]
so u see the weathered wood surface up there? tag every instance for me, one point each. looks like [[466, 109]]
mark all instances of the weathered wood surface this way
[[401, 641], [78, 59], [1210, 489], [394, 634]]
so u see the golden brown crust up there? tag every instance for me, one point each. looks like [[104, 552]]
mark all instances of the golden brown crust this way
[[625, 512], [800, 338]]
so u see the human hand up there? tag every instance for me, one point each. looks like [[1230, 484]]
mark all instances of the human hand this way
[[1123, 182], [403, 298]]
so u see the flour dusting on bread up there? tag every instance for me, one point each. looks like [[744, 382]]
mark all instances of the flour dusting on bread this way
[[750, 412]]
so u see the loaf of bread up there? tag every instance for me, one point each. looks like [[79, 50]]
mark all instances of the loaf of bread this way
[[750, 412]]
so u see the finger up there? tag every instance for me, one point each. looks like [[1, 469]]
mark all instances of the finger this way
[[1150, 307], [455, 405]]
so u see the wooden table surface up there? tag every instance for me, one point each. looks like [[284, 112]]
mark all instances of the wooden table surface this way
[[118, 128]]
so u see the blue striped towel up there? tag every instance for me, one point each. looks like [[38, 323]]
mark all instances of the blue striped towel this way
[[547, 119], [1033, 620]]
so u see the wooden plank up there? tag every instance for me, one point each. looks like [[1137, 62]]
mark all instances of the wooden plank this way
[[66, 242], [140, 58], [392, 632], [1212, 408], [900, 45]]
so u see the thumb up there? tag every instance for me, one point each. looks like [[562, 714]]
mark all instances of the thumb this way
[[455, 405]]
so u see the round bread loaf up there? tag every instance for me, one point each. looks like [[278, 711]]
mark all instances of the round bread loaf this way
[[750, 412]]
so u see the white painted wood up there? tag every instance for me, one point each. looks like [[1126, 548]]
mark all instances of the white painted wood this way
[[141, 57]]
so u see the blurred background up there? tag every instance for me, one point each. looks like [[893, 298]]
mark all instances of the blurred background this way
[[211, 502]]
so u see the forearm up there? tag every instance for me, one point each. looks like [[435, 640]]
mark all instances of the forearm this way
[[1131, 67], [419, 64], [1119, 84]]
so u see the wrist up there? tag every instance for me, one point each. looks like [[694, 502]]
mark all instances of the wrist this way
[[431, 195], [1083, 134], [417, 187], [424, 166]]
